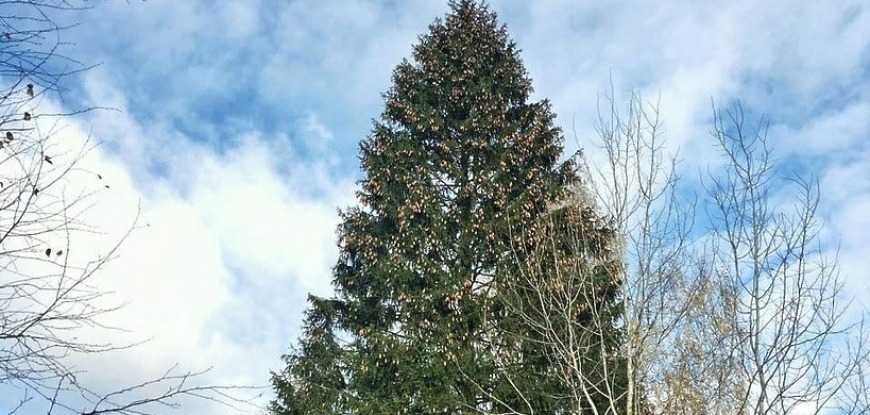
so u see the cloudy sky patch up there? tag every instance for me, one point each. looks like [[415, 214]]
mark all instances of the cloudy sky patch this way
[[236, 125]]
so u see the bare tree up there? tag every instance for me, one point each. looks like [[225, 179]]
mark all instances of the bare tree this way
[[624, 227], [636, 187], [780, 297], [49, 290], [745, 315]]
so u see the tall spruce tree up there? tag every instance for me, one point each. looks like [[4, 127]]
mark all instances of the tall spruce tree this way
[[458, 157]]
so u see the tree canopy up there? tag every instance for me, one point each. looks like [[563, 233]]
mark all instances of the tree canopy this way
[[460, 171]]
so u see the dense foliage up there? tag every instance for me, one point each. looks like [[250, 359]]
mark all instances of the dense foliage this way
[[457, 164]]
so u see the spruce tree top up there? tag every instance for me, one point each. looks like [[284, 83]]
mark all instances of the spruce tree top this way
[[457, 152]]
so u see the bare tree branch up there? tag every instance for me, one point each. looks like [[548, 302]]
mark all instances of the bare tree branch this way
[[48, 292]]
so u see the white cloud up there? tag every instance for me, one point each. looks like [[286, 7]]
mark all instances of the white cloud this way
[[846, 191], [228, 245], [833, 132], [689, 53]]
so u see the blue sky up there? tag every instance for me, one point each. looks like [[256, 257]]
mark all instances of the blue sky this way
[[238, 126]]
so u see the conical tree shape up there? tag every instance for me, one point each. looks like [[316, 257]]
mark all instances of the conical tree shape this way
[[457, 158]]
